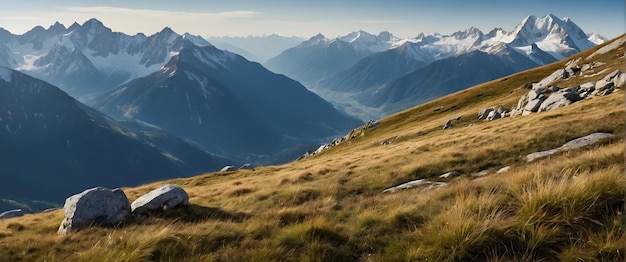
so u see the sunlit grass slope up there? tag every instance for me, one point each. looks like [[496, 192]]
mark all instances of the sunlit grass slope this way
[[330, 207]]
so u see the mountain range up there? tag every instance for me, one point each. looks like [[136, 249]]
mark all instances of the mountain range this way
[[354, 77], [226, 104], [180, 83]]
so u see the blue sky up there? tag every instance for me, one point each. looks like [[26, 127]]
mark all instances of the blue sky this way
[[332, 18]]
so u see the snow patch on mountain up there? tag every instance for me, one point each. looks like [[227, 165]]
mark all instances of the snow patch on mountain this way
[[5, 74]]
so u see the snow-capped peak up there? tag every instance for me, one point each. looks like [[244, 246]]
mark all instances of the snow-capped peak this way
[[596, 38], [316, 40]]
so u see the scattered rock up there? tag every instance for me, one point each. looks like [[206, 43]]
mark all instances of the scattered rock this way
[[11, 214], [573, 144], [416, 183], [483, 114], [533, 105], [246, 167], [162, 198], [503, 170], [450, 174], [97, 206], [450, 122], [556, 75], [481, 173], [228, 168], [493, 115]]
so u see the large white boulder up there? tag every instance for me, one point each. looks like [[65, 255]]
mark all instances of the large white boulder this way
[[97, 206], [162, 198]]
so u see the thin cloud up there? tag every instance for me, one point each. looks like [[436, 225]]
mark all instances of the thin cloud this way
[[117, 11], [377, 22]]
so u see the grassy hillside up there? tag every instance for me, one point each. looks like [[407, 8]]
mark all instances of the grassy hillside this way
[[330, 207]]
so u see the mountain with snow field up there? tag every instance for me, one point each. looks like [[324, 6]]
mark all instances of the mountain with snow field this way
[[542, 40], [89, 58]]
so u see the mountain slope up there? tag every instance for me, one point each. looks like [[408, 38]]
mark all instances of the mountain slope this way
[[568, 206], [226, 104], [54, 146], [445, 77]]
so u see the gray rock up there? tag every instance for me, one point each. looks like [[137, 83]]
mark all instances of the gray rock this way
[[228, 168], [560, 99], [425, 184], [11, 214], [493, 115], [246, 167], [503, 170], [97, 206], [573, 144], [534, 94], [162, 198], [448, 124], [585, 90], [450, 174], [482, 115], [553, 89], [608, 81], [533, 105]]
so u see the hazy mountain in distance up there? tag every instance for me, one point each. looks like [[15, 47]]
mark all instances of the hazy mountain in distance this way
[[226, 104], [256, 48]]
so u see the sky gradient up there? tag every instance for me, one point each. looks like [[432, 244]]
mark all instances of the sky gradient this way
[[406, 18]]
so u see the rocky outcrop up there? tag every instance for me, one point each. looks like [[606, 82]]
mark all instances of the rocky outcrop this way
[[162, 198], [11, 214], [560, 99], [422, 183], [493, 113], [97, 206], [246, 167], [573, 144], [545, 98], [354, 133]]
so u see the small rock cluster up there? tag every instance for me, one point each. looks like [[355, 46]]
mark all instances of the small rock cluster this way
[[449, 123], [354, 133], [104, 207], [234, 168]]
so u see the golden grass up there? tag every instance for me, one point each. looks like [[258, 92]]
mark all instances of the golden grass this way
[[569, 206]]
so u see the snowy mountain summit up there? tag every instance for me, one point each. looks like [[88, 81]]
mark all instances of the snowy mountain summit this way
[[89, 58]]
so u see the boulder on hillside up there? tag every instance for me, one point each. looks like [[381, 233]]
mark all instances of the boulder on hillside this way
[[483, 114], [97, 206], [162, 198], [425, 184], [493, 115], [560, 99], [585, 90], [11, 214], [573, 144], [533, 105]]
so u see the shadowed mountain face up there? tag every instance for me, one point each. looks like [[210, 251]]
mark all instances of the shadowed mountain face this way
[[226, 104], [53, 146], [445, 77]]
